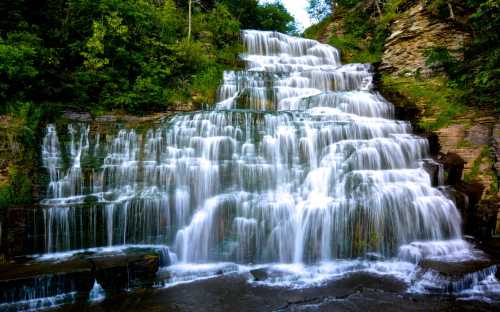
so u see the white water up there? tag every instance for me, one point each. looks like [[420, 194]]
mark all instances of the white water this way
[[300, 164]]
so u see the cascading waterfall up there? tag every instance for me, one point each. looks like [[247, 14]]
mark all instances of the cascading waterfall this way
[[299, 162]]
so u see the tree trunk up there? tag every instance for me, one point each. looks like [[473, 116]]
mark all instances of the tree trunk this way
[[189, 21], [377, 4], [452, 15]]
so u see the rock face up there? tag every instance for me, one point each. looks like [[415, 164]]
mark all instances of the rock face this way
[[452, 277], [469, 152], [412, 34], [40, 279], [122, 271], [44, 279]]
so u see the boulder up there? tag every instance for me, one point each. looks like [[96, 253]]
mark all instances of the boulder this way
[[454, 166], [267, 273], [259, 274]]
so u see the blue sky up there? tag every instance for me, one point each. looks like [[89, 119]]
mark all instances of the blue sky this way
[[298, 9]]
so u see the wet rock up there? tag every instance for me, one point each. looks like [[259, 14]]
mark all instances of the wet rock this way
[[452, 277], [35, 279], [473, 192], [454, 166], [374, 256], [435, 171], [77, 116], [461, 201], [434, 145], [365, 280], [260, 274], [45, 279], [359, 292], [486, 218], [118, 272], [268, 273], [455, 270]]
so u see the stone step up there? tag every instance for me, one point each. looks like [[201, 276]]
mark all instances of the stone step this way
[[115, 271]]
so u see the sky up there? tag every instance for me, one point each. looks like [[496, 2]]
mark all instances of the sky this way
[[298, 9]]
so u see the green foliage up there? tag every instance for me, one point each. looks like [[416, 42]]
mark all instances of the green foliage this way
[[357, 23], [441, 103], [18, 192], [475, 171], [354, 50], [318, 10], [262, 16], [364, 31], [439, 58], [316, 30], [479, 72], [347, 3], [274, 16], [483, 70], [103, 55], [439, 7], [18, 65]]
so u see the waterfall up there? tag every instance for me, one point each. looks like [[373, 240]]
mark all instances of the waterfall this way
[[300, 161]]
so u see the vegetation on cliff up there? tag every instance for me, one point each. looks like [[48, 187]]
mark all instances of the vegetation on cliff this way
[[360, 28], [132, 55]]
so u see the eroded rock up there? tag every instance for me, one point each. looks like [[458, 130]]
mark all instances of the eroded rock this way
[[412, 34]]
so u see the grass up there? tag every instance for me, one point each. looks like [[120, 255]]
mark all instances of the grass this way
[[354, 50]]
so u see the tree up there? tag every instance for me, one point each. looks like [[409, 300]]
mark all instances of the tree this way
[[274, 16], [319, 9], [267, 16]]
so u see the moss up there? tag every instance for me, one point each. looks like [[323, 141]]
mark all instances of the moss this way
[[440, 103], [475, 171], [316, 30], [464, 143], [354, 50]]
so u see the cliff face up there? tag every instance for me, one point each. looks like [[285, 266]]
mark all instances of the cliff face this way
[[412, 33], [472, 134]]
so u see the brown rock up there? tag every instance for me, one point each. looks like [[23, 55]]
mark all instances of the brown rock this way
[[479, 134], [412, 33], [454, 165]]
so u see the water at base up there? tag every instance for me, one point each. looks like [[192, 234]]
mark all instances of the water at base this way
[[300, 164]]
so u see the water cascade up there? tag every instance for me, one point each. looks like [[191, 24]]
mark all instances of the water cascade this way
[[300, 161]]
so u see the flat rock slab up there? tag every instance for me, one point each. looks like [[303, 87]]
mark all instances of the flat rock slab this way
[[114, 271], [455, 270], [233, 292], [118, 272]]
